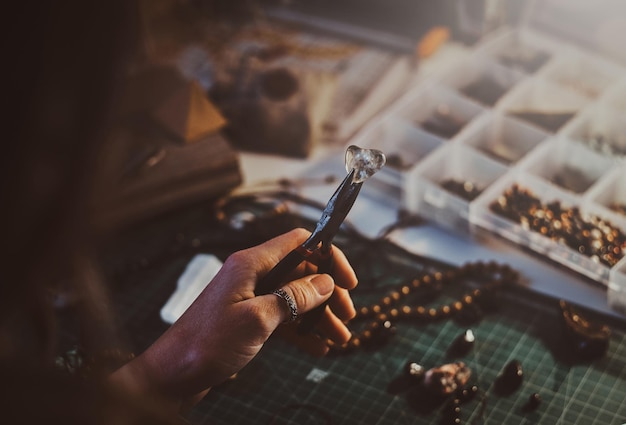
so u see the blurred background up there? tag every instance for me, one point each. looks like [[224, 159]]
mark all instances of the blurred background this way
[[502, 124], [467, 98]]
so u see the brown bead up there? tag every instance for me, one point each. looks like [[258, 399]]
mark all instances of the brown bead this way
[[457, 306], [445, 310], [476, 293], [376, 309], [406, 290], [367, 334], [394, 313], [421, 311], [416, 283], [395, 295], [427, 279], [406, 310], [386, 301], [438, 276], [432, 313], [467, 299], [364, 311]]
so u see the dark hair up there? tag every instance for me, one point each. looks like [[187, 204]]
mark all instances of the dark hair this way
[[63, 62]]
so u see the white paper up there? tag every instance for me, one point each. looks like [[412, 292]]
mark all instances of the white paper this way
[[197, 275]]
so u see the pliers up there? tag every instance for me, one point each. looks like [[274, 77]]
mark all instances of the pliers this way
[[321, 239]]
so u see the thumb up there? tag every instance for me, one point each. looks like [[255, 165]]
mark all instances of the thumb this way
[[307, 293]]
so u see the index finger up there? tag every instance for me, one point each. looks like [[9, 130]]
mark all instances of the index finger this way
[[277, 248], [343, 273]]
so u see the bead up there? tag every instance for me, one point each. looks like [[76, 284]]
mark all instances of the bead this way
[[451, 414], [395, 295], [394, 313], [427, 279], [457, 306], [386, 301], [445, 311], [469, 315], [467, 394], [406, 310], [364, 311], [432, 313], [467, 299], [405, 290], [376, 309], [421, 311], [416, 283]]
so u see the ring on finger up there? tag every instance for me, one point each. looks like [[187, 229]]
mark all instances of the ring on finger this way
[[291, 304]]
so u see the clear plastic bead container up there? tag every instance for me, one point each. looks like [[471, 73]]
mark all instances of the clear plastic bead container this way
[[583, 73], [442, 187], [547, 132], [602, 128]]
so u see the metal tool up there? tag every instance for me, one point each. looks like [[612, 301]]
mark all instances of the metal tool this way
[[321, 239], [327, 227]]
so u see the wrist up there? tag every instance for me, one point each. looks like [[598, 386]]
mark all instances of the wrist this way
[[137, 381]]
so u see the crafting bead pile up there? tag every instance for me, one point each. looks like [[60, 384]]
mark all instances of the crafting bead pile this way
[[590, 236]]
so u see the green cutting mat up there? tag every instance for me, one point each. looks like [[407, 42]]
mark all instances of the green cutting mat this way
[[284, 386], [355, 389], [280, 385]]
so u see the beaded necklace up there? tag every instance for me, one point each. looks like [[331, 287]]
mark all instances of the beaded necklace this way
[[389, 308]]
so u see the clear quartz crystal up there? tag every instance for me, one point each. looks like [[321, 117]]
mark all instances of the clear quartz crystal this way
[[365, 162]]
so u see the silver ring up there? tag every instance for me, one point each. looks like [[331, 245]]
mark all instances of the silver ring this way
[[293, 308]]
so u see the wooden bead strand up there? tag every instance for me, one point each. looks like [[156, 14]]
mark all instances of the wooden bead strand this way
[[390, 308]]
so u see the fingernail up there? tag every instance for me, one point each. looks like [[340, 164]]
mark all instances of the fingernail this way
[[324, 284]]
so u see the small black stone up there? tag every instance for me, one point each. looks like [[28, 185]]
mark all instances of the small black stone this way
[[462, 344], [533, 402], [381, 335], [509, 379]]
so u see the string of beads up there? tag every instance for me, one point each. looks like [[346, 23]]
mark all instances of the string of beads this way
[[390, 309]]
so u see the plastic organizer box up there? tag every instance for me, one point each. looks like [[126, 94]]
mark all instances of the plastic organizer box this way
[[524, 137]]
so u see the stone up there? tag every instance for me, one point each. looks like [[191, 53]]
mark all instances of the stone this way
[[365, 162]]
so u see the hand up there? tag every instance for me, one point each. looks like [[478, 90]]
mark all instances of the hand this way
[[227, 324]]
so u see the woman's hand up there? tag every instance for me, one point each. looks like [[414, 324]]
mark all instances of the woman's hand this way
[[227, 324]]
